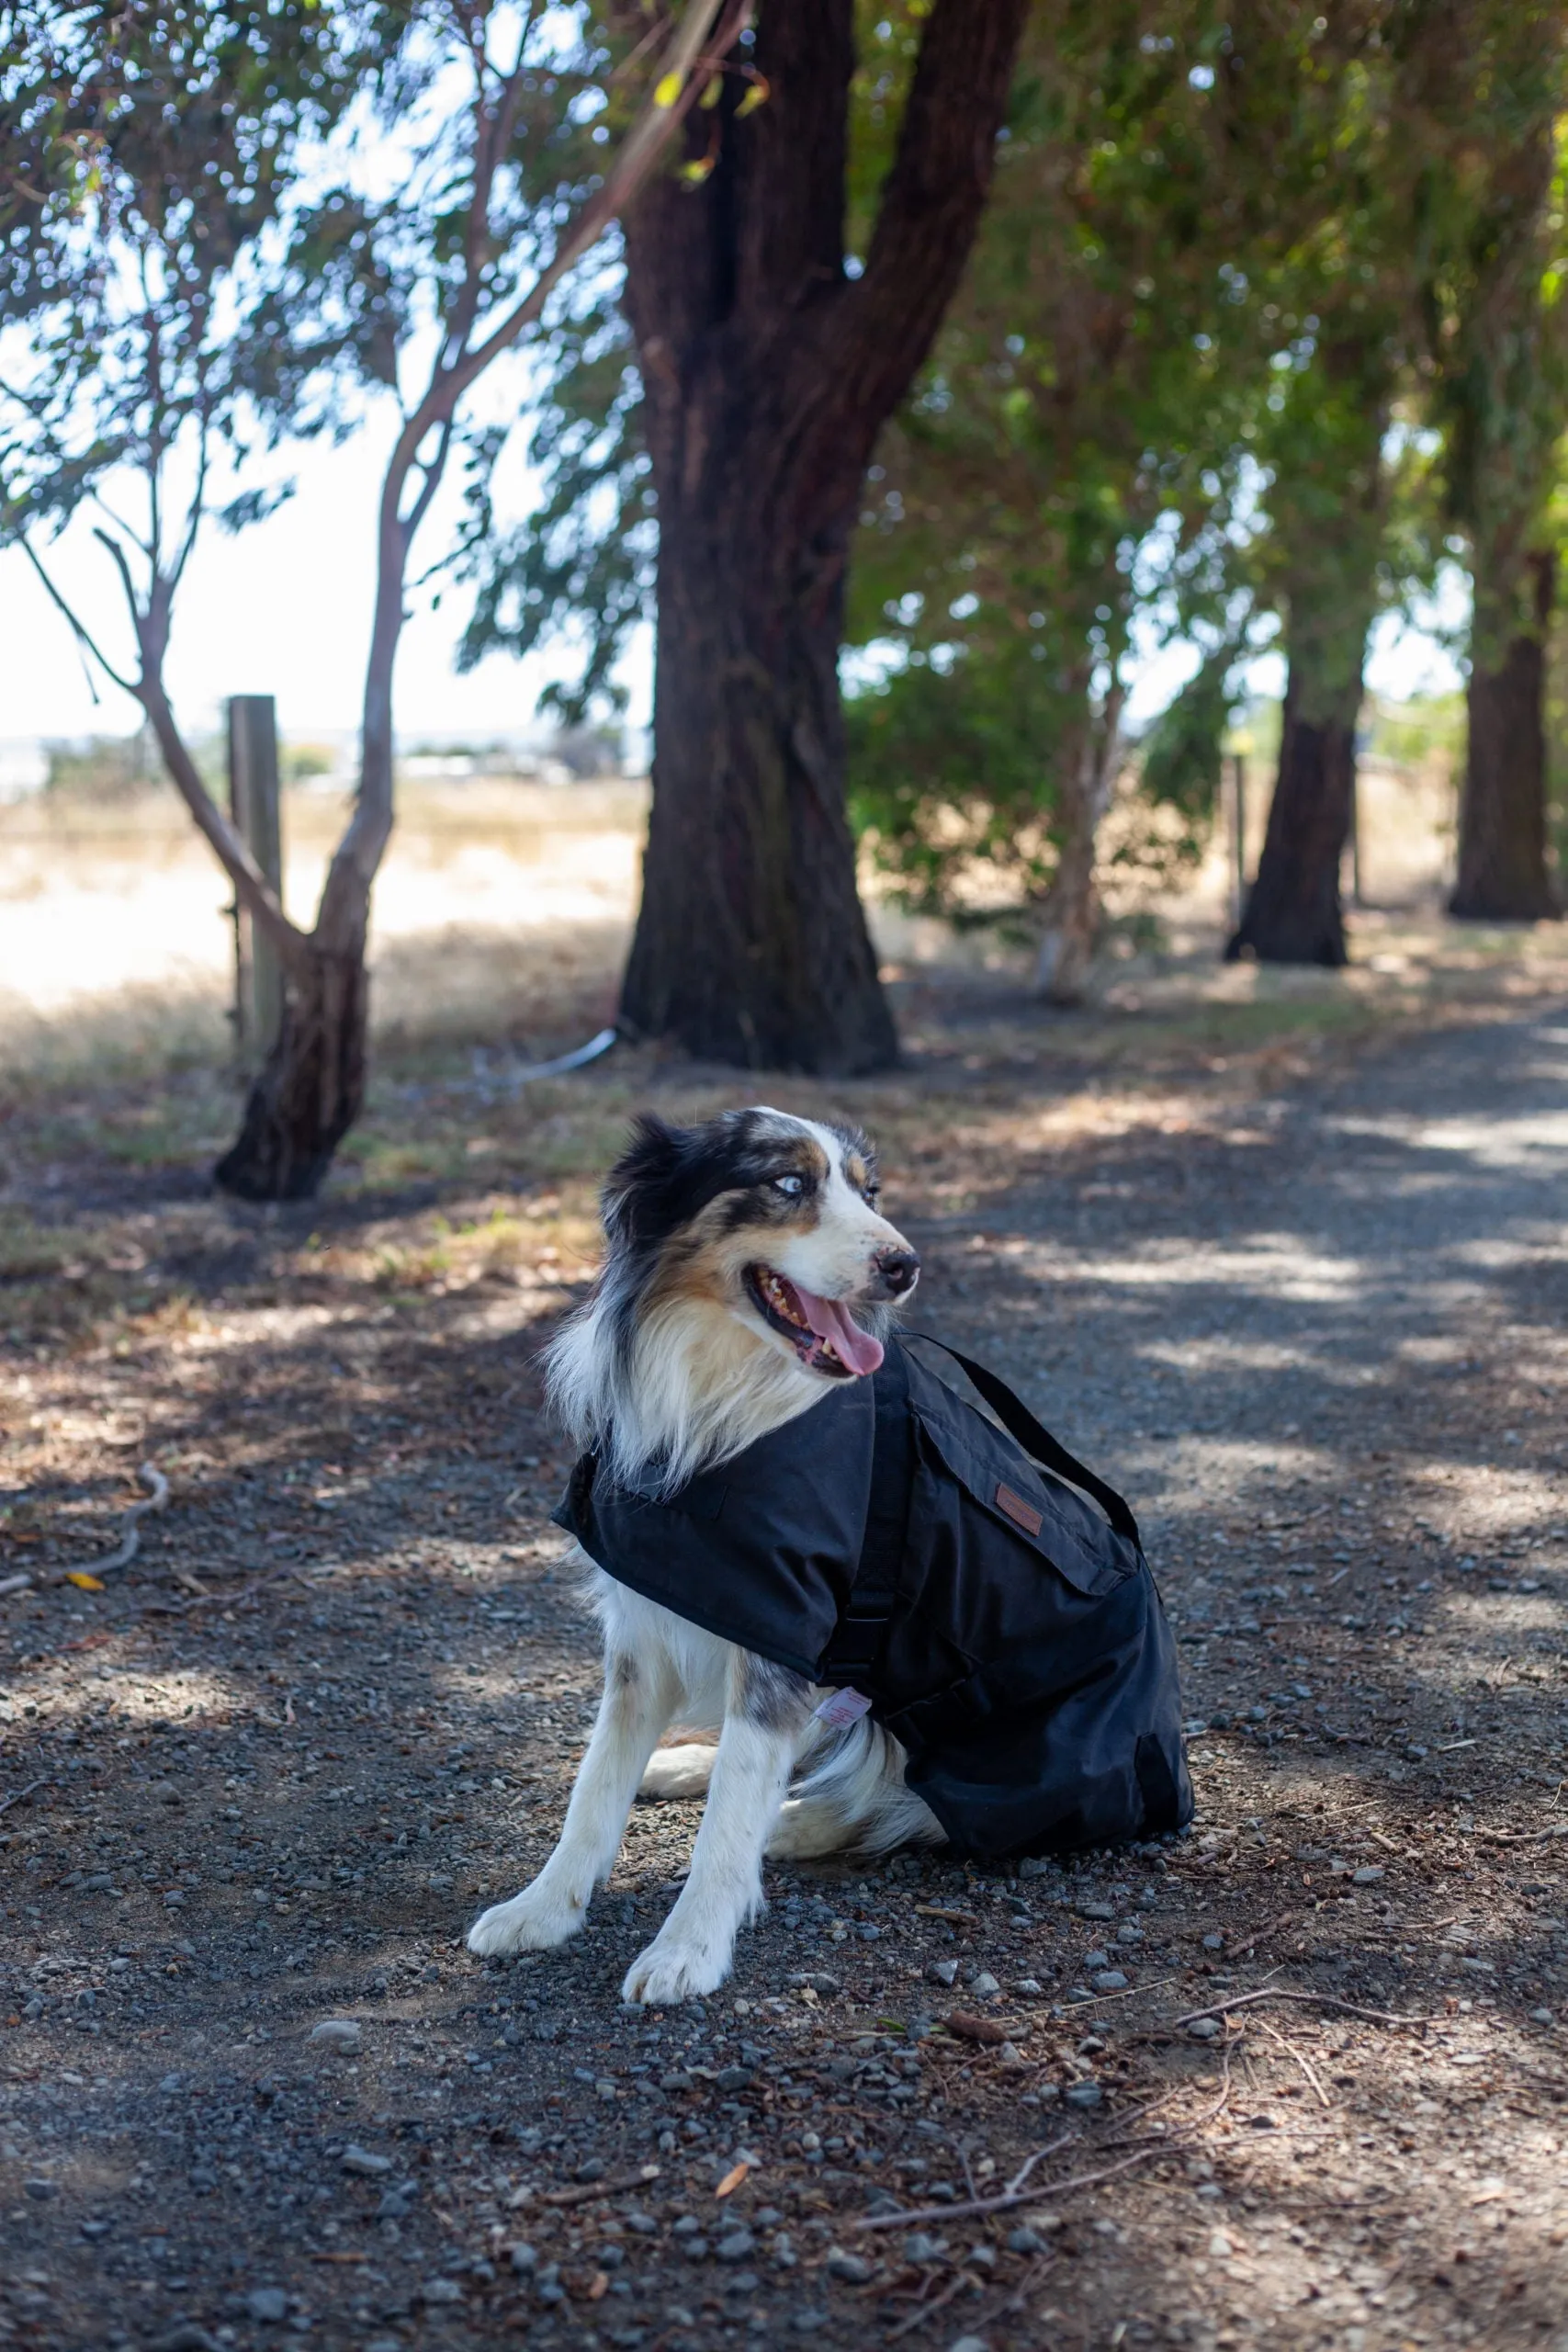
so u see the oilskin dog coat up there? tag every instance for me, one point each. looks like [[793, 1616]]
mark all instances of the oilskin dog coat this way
[[892, 1538]]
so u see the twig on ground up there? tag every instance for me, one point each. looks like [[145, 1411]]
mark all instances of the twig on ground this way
[[1302, 2060], [934, 2304], [1310, 2000], [257, 1584], [1007, 2198], [18, 1794], [1014, 2300], [587, 2190], [1521, 1837], [1270, 1928], [1016, 2193]]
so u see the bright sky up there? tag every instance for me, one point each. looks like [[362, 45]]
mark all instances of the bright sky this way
[[284, 609]]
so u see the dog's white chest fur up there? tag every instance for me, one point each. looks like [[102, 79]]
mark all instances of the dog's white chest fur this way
[[746, 1267]]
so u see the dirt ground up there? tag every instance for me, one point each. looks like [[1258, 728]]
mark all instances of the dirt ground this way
[[1285, 1258]]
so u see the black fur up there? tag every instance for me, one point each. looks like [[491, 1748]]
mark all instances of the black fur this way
[[667, 1176], [773, 1697]]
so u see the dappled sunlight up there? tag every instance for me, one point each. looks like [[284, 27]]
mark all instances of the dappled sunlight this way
[[1500, 1143], [333, 1706]]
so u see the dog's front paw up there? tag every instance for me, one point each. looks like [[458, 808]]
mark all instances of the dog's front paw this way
[[672, 1970], [535, 1920]]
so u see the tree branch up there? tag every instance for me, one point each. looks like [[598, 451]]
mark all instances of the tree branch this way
[[934, 194], [255, 892], [82, 635], [261, 901], [340, 920], [644, 144]]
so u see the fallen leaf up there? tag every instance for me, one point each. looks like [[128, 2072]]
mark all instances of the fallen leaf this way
[[732, 2181], [83, 1581]]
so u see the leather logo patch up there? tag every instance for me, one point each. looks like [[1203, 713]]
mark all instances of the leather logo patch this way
[[1023, 1514]]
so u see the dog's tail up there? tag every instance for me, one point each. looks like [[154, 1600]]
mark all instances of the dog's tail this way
[[855, 1787]]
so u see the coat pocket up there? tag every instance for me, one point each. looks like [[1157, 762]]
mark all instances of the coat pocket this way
[[1052, 1519]]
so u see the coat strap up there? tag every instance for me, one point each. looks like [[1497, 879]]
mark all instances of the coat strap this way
[[1020, 1422], [857, 1637]]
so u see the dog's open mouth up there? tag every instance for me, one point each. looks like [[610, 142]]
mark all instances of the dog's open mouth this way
[[821, 1330]]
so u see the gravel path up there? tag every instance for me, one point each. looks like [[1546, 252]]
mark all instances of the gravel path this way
[[251, 2088]]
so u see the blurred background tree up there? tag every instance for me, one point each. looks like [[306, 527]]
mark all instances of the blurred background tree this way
[[1494, 250]]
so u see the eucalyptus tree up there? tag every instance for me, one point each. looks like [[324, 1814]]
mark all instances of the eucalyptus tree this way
[[213, 274], [1074, 460], [772, 351], [1497, 247]]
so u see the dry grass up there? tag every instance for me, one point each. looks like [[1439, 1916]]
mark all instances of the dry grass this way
[[345, 1399]]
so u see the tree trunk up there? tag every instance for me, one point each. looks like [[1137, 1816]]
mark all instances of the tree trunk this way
[[768, 371], [1503, 871], [752, 946], [312, 1088], [1070, 916], [1293, 914]]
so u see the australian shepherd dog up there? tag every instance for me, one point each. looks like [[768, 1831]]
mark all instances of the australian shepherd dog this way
[[747, 1270]]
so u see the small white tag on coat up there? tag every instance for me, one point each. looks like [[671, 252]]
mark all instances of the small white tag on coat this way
[[842, 1707]]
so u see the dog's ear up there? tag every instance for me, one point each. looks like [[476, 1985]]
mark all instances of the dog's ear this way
[[639, 1192]]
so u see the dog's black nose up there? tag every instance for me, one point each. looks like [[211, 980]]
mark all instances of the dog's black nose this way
[[899, 1270]]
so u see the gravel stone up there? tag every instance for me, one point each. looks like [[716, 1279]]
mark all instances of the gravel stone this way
[[342, 2034], [854, 2268]]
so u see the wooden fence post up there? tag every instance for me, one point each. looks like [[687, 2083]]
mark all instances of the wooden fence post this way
[[256, 807], [1238, 832]]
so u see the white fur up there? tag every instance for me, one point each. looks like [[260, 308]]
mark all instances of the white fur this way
[[701, 1379]]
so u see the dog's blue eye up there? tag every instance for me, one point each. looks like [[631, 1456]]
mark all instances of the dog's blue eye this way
[[791, 1185]]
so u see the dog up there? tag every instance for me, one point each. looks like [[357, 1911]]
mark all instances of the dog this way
[[748, 1267]]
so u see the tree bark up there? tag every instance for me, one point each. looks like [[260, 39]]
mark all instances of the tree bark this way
[[1293, 913], [1070, 916], [311, 1089], [768, 371], [1503, 875]]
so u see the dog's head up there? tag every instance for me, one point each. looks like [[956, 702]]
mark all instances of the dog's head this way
[[770, 1219]]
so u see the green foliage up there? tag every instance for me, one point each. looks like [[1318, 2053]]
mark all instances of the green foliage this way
[[582, 567], [1075, 463], [140, 269], [1494, 298], [1183, 751], [1407, 734], [951, 766]]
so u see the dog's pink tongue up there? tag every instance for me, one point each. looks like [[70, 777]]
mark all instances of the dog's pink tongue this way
[[830, 1320]]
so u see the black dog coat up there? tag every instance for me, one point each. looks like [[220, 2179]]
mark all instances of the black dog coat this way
[[894, 1539]]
